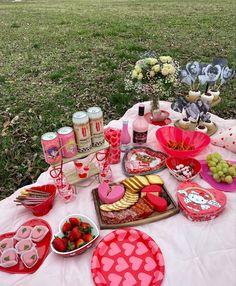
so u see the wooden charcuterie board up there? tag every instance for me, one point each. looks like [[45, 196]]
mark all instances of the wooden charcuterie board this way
[[172, 209]]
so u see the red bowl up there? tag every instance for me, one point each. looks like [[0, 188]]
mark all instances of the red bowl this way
[[172, 162], [196, 139], [43, 208]]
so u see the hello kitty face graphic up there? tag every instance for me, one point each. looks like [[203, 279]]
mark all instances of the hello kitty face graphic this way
[[196, 198]]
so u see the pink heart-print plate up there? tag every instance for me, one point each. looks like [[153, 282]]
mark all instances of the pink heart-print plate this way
[[42, 248], [127, 257], [143, 161]]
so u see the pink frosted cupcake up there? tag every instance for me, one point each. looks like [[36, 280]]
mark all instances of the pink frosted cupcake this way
[[38, 233], [30, 257], [6, 243], [24, 245], [9, 258], [23, 232]]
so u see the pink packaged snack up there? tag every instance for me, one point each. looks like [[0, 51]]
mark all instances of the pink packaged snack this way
[[30, 257], [8, 258], [23, 232], [38, 233], [23, 245], [6, 243]]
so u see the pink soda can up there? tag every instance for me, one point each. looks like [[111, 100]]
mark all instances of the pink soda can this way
[[67, 141], [51, 147]]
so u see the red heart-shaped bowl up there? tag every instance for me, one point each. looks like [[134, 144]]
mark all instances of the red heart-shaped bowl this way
[[180, 140], [42, 248], [83, 218], [172, 162], [43, 208]]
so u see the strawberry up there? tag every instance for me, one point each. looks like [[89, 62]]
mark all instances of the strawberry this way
[[74, 221], [66, 227], [87, 237], [70, 246], [74, 234], [58, 244], [85, 227], [80, 242], [65, 240]]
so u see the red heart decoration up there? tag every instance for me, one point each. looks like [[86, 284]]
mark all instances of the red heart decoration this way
[[83, 175], [42, 248], [200, 204]]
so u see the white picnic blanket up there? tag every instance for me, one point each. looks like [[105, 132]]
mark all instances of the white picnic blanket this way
[[195, 253]]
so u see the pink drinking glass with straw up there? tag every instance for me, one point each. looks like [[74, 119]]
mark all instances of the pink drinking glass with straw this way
[[65, 190], [105, 172]]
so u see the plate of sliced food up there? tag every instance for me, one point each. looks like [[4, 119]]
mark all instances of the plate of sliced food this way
[[134, 201]]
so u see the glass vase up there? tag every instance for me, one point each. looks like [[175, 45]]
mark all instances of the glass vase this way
[[155, 108]]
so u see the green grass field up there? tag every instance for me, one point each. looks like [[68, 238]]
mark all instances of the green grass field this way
[[58, 57]]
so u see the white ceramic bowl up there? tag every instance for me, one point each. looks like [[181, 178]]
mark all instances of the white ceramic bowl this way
[[83, 218]]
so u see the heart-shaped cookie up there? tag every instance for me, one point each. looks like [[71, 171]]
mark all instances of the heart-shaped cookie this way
[[110, 194], [42, 247], [198, 203]]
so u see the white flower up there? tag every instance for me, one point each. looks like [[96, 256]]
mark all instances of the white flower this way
[[134, 74], [156, 68], [152, 73], [163, 59], [152, 61], [139, 76], [138, 69], [165, 71]]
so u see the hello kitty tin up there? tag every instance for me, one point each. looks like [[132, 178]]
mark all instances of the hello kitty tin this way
[[200, 204]]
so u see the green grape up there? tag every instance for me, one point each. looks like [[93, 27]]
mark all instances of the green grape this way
[[218, 168], [231, 171], [220, 173], [225, 165], [215, 160], [212, 164], [225, 170], [218, 156], [213, 169], [228, 179], [216, 176], [209, 157]]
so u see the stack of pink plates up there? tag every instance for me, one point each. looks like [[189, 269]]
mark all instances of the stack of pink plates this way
[[200, 204]]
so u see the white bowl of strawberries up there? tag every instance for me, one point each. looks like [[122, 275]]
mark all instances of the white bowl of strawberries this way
[[76, 234]]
